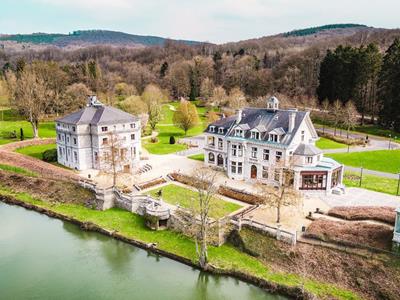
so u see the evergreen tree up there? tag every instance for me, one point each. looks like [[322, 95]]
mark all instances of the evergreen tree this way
[[389, 87], [163, 69], [217, 58]]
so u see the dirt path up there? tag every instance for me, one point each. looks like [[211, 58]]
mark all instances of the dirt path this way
[[9, 157]]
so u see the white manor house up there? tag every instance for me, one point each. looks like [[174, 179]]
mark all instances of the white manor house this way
[[256, 143], [84, 137]]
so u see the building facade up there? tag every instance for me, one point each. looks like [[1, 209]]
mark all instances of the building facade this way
[[84, 138], [255, 144], [396, 232]]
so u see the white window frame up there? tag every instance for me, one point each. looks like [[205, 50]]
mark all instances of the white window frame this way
[[254, 151], [212, 128], [221, 130], [266, 154]]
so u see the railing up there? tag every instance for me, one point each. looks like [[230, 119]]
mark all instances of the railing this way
[[279, 234]]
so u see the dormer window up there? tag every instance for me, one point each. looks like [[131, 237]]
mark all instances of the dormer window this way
[[212, 128], [255, 135], [239, 132], [309, 159], [221, 130], [274, 138]]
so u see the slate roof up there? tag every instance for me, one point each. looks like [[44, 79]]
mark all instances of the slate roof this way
[[265, 120], [307, 149], [98, 115]]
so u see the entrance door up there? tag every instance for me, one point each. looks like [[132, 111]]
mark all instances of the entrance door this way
[[253, 172], [220, 160]]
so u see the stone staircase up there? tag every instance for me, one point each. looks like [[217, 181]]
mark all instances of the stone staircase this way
[[145, 168]]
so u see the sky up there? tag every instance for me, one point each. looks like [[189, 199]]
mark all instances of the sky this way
[[216, 21]]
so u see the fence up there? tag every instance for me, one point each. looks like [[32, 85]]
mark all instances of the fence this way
[[279, 234]]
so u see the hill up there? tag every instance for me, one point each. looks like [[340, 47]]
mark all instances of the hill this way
[[83, 38], [314, 30]]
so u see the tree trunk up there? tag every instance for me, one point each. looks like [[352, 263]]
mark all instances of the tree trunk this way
[[278, 214], [203, 248], [35, 129]]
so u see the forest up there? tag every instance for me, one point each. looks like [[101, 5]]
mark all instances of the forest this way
[[361, 67]]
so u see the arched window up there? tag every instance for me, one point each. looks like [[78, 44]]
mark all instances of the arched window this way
[[211, 157]]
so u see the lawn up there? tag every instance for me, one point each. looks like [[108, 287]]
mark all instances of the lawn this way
[[382, 160], [371, 182], [199, 157], [185, 197], [10, 122], [17, 170], [224, 257], [166, 129], [324, 143], [36, 150]]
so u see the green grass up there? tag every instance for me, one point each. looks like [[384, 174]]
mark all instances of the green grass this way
[[371, 182], [325, 143], [225, 257], [17, 170], [382, 160], [166, 129], [36, 150], [185, 197], [10, 121], [199, 157]]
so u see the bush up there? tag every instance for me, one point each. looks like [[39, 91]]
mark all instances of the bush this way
[[342, 139], [239, 195], [50, 155], [172, 140], [154, 140], [377, 213]]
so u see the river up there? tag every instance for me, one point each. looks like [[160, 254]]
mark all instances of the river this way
[[45, 258]]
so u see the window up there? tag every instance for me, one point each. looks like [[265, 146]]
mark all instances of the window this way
[[75, 156], [274, 138], [240, 168], [105, 141], [63, 138], [278, 156], [309, 159], [265, 172], [255, 135], [234, 150], [220, 143], [132, 136], [96, 157], [74, 141], [60, 152], [220, 130], [212, 128], [233, 167], [277, 175], [316, 181], [253, 152], [211, 157], [133, 125], [67, 139], [58, 124], [240, 152], [59, 137], [104, 128], [123, 126], [302, 136], [73, 128], [266, 154], [211, 141], [239, 132]]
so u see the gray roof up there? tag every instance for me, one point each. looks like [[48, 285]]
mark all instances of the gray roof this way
[[265, 120], [307, 149], [98, 115]]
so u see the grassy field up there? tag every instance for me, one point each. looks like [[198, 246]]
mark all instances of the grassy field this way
[[36, 151], [324, 143], [383, 160], [10, 121], [199, 157], [166, 129], [185, 197], [224, 257], [17, 170], [371, 182]]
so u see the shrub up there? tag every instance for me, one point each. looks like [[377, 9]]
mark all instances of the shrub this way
[[21, 134], [378, 213], [239, 195], [342, 139], [154, 139], [50, 155], [172, 140]]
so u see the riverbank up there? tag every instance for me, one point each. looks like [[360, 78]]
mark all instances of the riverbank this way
[[224, 260]]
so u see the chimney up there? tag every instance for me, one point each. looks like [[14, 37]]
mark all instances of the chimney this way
[[239, 116], [93, 101], [292, 119]]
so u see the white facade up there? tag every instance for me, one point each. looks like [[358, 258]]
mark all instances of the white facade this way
[[248, 146], [396, 232], [82, 144]]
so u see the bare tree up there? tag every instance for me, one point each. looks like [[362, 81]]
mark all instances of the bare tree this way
[[350, 116], [236, 99], [281, 193], [114, 156], [337, 110], [29, 96], [205, 182], [186, 116], [218, 97], [153, 96]]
